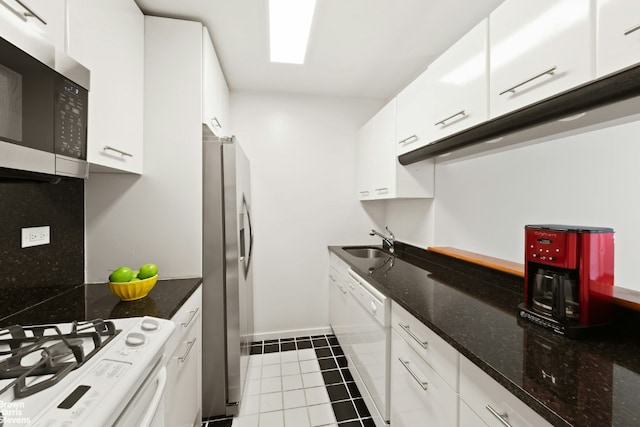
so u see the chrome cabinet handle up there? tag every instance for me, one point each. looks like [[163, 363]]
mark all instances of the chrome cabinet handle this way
[[423, 384], [332, 277], [28, 14], [342, 290], [364, 193], [502, 417], [122, 153], [632, 30], [193, 315], [184, 357], [512, 89], [382, 190], [423, 344], [409, 140], [444, 121], [215, 122]]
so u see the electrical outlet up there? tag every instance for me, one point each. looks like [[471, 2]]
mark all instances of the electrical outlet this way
[[36, 236]]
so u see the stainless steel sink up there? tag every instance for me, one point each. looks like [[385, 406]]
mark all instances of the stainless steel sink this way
[[366, 252]]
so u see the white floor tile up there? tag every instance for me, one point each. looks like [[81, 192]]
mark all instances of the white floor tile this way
[[250, 405], [306, 354], [270, 402], [252, 387], [294, 399], [289, 356], [296, 417], [272, 419], [254, 372], [246, 421], [321, 415], [255, 360], [290, 368], [292, 382], [312, 379], [316, 395], [270, 358], [270, 371], [270, 385], [309, 366]]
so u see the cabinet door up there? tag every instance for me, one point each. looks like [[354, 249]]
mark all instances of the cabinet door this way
[[216, 93], [413, 107], [460, 85], [107, 36], [419, 396], [468, 418], [537, 49], [384, 152], [53, 13], [617, 35], [364, 162]]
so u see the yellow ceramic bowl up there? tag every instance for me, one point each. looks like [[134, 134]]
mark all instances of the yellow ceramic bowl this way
[[131, 291]]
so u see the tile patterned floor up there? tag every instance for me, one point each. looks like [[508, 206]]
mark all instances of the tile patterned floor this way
[[301, 382]]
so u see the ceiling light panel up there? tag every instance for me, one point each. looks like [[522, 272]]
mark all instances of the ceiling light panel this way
[[289, 28]]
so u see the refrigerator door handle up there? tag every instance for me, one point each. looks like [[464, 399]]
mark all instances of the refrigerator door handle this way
[[247, 258]]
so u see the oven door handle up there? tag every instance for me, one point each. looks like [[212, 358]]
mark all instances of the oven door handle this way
[[161, 379]]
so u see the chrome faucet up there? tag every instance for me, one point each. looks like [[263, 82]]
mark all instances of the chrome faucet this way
[[390, 241]]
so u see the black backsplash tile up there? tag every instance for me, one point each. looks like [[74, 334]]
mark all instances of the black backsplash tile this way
[[32, 275]]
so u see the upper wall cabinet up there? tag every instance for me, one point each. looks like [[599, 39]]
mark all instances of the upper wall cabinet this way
[[538, 49], [459, 84], [380, 175], [48, 17], [412, 107], [107, 36], [215, 100], [618, 35]]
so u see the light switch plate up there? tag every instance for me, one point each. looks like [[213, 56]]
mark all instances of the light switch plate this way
[[36, 236]]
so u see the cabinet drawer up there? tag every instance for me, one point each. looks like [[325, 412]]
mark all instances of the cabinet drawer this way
[[419, 396], [490, 401], [432, 349], [185, 318], [338, 265]]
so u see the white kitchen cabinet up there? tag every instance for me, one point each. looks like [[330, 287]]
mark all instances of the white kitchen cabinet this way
[[215, 90], [380, 174], [183, 401], [107, 36], [459, 85], [52, 12], [435, 351], [419, 396], [617, 35], [494, 404], [538, 49], [467, 417], [339, 302], [413, 106]]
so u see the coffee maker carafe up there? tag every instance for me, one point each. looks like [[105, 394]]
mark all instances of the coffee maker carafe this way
[[568, 278]]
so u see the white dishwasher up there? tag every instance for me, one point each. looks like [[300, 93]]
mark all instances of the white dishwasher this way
[[370, 337]]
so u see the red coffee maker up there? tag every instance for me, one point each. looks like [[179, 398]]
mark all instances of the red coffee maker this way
[[568, 278]]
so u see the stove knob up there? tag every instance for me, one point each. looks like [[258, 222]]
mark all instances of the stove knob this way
[[149, 325], [135, 339]]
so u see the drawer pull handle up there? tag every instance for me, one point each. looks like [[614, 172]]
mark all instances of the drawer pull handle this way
[[332, 277], [512, 89], [382, 190], [193, 315], [216, 123], [502, 417], [364, 193], [444, 121], [423, 384], [184, 357], [374, 307], [632, 30], [122, 153], [409, 140], [342, 290], [423, 344]]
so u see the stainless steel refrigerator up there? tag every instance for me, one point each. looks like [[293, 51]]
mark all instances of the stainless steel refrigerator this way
[[227, 316]]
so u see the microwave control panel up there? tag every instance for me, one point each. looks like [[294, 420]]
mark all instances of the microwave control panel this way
[[71, 120], [551, 247]]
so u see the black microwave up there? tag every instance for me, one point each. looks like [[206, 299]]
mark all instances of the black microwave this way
[[43, 107]]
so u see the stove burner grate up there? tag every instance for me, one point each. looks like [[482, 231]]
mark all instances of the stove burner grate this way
[[55, 350]]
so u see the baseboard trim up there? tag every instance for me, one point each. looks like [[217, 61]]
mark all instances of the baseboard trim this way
[[263, 336]]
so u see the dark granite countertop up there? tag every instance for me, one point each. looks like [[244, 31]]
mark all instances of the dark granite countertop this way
[[91, 301], [596, 380]]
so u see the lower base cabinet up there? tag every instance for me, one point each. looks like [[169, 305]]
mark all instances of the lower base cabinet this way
[[183, 399], [419, 396]]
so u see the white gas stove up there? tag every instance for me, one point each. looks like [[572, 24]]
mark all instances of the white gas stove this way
[[96, 373]]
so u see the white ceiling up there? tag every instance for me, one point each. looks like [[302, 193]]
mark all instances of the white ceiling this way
[[357, 48]]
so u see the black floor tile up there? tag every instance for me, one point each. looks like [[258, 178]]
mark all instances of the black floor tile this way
[[337, 392], [368, 422], [332, 377], [323, 352], [353, 390], [362, 408], [271, 341], [328, 363], [337, 351], [304, 344], [221, 422], [320, 342], [342, 361], [271, 348], [344, 410], [255, 349], [346, 374], [333, 340], [287, 346], [352, 423]]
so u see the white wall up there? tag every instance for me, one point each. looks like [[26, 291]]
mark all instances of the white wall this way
[[302, 154], [156, 217], [482, 204]]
